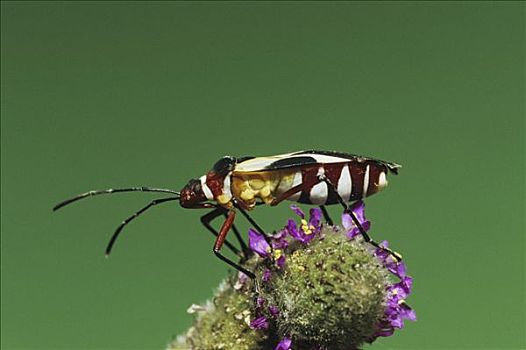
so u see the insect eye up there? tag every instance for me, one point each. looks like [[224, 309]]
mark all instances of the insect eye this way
[[224, 165]]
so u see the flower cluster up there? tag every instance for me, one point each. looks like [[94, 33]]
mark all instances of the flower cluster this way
[[397, 309], [318, 287], [273, 249]]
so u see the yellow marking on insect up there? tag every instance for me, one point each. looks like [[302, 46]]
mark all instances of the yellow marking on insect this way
[[265, 191], [256, 184], [277, 253], [268, 200], [247, 194], [249, 186], [223, 199]]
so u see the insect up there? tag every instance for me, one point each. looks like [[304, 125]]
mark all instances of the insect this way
[[240, 184]]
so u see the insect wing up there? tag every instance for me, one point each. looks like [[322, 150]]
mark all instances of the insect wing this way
[[258, 163], [284, 161]]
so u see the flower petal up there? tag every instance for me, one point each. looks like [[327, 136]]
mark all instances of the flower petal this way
[[274, 310], [382, 254], [315, 217], [353, 233], [347, 222], [407, 283], [307, 238], [280, 243], [266, 275], [259, 323], [260, 301], [400, 269], [281, 234], [292, 228], [258, 243], [298, 211], [358, 209], [285, 344], [397, 322], [280, 262], [407, 313]]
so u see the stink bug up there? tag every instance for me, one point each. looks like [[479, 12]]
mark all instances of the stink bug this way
[[240, 184]]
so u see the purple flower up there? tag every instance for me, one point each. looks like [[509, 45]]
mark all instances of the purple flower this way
[[241, 280], [266, 275], [280, 258], [396, 310], [307, 230], [407, 313], [260, 302], [259, 323], [298, 211], [399, 291], [285, 344], [400, 270], [348, 223], [387, 259], [258, 243], [382, 254], [279, 240], [279, 244], [274, 310]]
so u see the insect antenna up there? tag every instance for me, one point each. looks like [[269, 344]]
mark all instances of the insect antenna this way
[[110, 191], [136, 214]]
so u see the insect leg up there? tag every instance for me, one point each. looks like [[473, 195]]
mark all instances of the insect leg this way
[[290, 192], [136, 214], [241, 241], [326, 215], [221, 239], [252, 222], [368, 239], [364, 234], [209, 217]]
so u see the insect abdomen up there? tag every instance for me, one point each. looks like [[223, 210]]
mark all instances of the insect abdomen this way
[[352, 180]]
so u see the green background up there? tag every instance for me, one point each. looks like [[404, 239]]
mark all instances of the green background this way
[[98, 95]]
